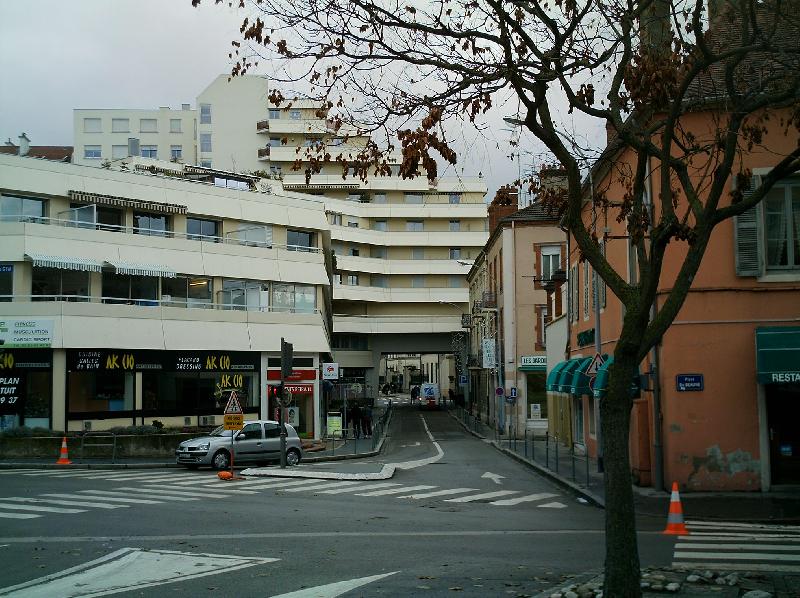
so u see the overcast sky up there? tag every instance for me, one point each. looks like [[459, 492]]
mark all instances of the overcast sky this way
[[58, 55]]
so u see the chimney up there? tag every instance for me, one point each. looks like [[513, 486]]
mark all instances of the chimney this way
[[24, 145], [504, 204]]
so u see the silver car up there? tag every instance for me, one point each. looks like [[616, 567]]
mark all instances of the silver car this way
[[258, 442]]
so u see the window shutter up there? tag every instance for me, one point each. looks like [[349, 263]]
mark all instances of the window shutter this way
[[747, 238]]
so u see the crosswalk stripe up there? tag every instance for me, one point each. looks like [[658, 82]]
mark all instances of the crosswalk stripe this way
[[474, 497], [520, 499], [218, 489], [38, 508], [282, 483], [438, 493], [395, 491], [102, 495], [737, 556], [553, 505], [743, 536], [371, 486], [738, 566], [160, 494], [18, 516], [734, 524], [66, 503], [159, 497], [324, 486], [172, 494], [208, 480], [726, 546], [15, 471]]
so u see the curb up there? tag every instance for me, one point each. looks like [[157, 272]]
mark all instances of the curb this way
[[593, 498]]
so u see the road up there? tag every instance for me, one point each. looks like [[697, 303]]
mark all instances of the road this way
[[461, 518]]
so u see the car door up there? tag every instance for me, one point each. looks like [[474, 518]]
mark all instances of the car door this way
[[249, 443], [272, 440]]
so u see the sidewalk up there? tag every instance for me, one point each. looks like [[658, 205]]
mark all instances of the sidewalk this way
[[579, 473]]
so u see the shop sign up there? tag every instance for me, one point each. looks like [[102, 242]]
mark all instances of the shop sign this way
[[489, 358], [536, 411], [538, 361], [7, 268], [689, 382], [295, 375], [26, 332], [300, 388], [170, 361], [12, 393], [330, 371], [101, 360], [25, 359]]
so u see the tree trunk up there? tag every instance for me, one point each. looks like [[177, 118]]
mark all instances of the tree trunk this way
[[622, 575]]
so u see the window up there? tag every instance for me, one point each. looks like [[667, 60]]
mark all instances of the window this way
[[414, 226], [91, 152], [119, 152], [205, 163], [126, 288], [379, 198], [782, 227], [299, 240], [418, 282], [227, 182], [455, 226], [205, 114], [454, 281], [12, 207], [455, 198], [455, 253], [354, 342], [198, 229], [417, 253], [51, 284], [249, 295], [149, 151], [92, 125], [354, 197], [154, 225], [175, 125], [379, 280], [352, 280], [335, 218], [275, 142], [251, 432], [412, 197], [297, 298], [120, 125], [294, 114], [337, 279], [574, 293], [378, 252], [379, 225], [275, 169], [186, 291], [176, 152], [551, 261], [586, 272], [148, 125], [544, 319], [352, 224], [274, 114], [354, 252], [205, 142], [272, 430], [6, 281]]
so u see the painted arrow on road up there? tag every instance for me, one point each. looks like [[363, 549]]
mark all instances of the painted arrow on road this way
[[495, 477]]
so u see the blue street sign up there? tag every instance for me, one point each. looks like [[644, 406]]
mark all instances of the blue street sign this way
[[689, 382], [514, 392], [462, 379]]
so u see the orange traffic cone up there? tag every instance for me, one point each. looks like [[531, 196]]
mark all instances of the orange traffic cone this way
[[63, 459], [675, 525]]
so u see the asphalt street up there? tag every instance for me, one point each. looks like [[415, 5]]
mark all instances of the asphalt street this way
[[459, 517]]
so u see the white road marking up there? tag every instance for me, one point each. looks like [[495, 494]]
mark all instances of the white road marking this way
[[495, 477], [395, 491], [125, 496], [743, 536], [473, 497], [15, 471], [732, 525], [130, 569], [104, 498], [332, 590], [180, 490], [14, 507], [738, 566], [553, 505], [282, 483], [324, 486], [359, 487], [726, 546], [736, 556], [170, 494], [66, 503], [421, 462], [18, 516], [438, 493], [520, 499]]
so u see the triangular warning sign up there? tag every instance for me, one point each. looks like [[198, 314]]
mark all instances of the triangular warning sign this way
[[597, 361], [233, 406]]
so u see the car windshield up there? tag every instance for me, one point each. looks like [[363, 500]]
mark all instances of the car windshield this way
[[220, 431]]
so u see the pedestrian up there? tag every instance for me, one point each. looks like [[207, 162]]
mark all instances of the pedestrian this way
[[366, 420], [451, 395], [355, 420]]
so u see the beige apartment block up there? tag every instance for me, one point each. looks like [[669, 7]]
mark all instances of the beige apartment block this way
[[140, 288], [103, 135]]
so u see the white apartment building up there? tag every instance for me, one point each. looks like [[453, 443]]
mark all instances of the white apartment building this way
[[403, 246], [134, 292], [102, 135]]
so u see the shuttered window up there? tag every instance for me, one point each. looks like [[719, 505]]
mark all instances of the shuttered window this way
[[748, 239]]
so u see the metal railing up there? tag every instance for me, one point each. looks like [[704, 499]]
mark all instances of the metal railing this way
[[351, 444], [95, 445]]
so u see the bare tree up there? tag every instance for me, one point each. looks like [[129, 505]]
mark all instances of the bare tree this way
[[641, 68]]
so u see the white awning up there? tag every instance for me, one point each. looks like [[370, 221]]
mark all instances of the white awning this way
[[142, 269], [41, 260]]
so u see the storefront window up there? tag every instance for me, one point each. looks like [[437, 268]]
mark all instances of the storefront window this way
[[26, 388], [100, 392], [52, 284]]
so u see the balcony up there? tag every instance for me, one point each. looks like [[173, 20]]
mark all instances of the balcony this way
[[396, 324], [263, 153], [388, 266], [262, 126], [402, 295]]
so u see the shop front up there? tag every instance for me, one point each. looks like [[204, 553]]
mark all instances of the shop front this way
[[26, 388], [302, 384], [177, 388]]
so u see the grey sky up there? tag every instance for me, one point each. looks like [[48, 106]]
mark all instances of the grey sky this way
[[56, 56]]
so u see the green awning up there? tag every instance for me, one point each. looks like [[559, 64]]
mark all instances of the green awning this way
[[552, 377], [778, 354], [565, 378], [600, 386], [579, 385]]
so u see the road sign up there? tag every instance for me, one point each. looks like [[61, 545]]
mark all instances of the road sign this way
[[330, 371], [513, 393], [593, 368], [689, 382], [462, 379], [233, 407], [233, 421], [499, 391]]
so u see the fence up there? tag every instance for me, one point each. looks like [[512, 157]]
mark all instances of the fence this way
[[350, 444], [542, 449]]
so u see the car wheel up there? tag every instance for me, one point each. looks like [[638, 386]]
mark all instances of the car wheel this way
[[221, 460], [292, 457]]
